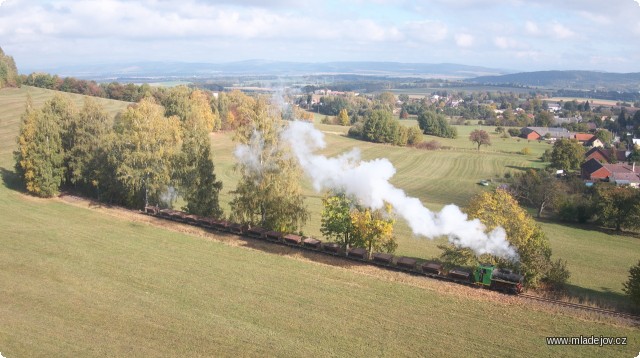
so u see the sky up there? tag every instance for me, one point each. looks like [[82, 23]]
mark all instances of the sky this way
[[507, 34]]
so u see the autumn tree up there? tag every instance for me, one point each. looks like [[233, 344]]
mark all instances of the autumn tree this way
[[499, 208], [268, 193], [198, 183], [567, 154], [632, 286], [145, 145], [343, 117], [373, 229], [336, 219], [537, 188], [480, 137], [387, 99], [8, 71], [40, 155]]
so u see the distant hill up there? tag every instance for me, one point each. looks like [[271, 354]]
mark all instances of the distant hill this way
[[586, 80], [264, 67]]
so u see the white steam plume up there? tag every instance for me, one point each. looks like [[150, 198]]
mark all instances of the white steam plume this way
[[369, 182]]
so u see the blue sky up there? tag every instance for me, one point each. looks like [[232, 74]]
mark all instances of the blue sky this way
[[508, 34]]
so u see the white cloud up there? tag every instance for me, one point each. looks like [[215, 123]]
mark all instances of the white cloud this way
[[426, 31], [532, 28], [464, 40], [561, 32], [505, 43]]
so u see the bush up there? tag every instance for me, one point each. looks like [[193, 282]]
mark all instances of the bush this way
[[414, 136], [525, 151], [632, 286], [514, 132], [558, 275], [430, 145], [356, 130]]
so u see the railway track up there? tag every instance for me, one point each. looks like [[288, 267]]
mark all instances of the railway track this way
[[414, 271], [582, 307]]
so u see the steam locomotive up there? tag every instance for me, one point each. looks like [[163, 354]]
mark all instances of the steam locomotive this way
[[484, 275]]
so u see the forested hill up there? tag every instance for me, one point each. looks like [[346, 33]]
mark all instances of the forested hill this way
[[8, 71], [566, 79]]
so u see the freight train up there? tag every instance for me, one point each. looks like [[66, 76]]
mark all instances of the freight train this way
[[484, 275]]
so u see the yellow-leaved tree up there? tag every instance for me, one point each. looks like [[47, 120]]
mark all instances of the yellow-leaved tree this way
[[499, 208], [373, 229]]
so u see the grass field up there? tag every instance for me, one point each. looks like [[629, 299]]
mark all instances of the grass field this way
[[596, 102], [78, 282]]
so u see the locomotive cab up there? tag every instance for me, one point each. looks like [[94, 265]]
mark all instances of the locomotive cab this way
[[482, 274]]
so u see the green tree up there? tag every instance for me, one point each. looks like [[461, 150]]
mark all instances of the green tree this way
[[89, 129], [537, 188], [198, 183], [480, 137], [634, 156], [336, 219], [567, 154], [380, 127], [343, 117], [436, 124], [618, 206], [268, 193], [544, 119], [604, 135], [40, 155], [632, 286], [176, 102], [373, 229], [499, 208], [144, 150]]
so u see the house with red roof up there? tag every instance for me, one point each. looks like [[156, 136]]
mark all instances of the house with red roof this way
[[620, 173]]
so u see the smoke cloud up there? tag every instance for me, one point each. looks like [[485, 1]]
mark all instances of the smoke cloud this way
[[368, 181]]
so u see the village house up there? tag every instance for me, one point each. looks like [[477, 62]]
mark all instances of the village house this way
[[606, 155], [536, 133], [620, 174]]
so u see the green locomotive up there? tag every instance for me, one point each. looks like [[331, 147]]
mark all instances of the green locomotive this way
[[497, 279]]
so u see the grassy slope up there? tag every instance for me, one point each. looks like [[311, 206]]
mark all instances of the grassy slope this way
[[450, 176], [78, 283]]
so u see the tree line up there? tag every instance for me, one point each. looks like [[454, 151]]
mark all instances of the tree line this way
[[379, 126], [145, 155]]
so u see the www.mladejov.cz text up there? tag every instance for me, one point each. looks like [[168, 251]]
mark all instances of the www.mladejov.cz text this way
[[587, 341]]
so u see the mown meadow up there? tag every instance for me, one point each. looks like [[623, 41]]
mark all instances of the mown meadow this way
[[78, 282]]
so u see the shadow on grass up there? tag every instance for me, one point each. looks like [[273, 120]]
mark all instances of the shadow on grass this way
[[524, 169], [11, 180], [591, 227], [284, 250], [605, 298]]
